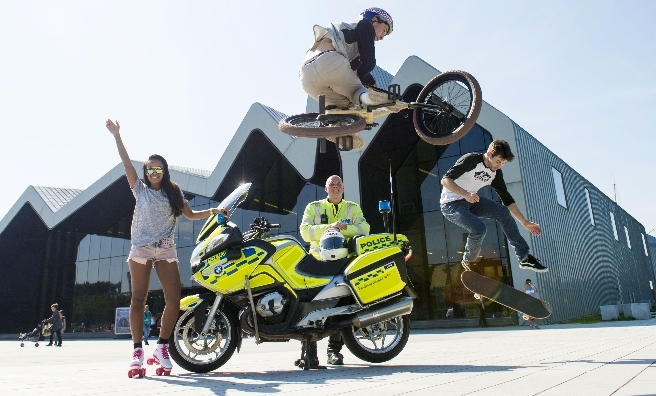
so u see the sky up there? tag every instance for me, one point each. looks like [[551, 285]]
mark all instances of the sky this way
[[580, 76]]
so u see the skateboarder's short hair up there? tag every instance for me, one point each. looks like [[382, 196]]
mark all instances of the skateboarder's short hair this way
[[501, 148]]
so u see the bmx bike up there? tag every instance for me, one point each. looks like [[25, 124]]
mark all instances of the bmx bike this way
[[446, 109]]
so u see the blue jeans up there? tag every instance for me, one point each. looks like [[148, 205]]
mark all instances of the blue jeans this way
[[467, 215], [146, 331]]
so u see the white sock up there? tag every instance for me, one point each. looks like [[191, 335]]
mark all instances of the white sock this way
[[365, 99]]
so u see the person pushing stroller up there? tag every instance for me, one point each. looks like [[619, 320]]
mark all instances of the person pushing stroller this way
[[56, 321]]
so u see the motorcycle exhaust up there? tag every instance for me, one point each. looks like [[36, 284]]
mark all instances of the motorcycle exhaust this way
[[364, 319]]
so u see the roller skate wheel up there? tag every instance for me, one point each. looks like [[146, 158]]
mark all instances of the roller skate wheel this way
[[150, 361], [22, 345], [133, 373], [162, 371], [36, 345]]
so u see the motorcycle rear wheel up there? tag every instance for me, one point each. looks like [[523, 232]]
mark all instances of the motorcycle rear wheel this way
[[330, 125], [458, 90], [371, 344], [204, 354]]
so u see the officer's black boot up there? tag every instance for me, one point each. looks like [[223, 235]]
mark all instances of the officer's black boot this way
[[335, 344]]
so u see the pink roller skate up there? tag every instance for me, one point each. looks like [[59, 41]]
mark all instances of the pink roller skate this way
[[137, 361], [161, 357]]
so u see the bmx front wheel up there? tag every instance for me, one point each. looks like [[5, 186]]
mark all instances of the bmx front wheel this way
[[328, 125], [457, 100]]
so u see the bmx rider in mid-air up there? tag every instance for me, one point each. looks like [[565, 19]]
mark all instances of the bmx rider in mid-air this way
[[342, 57]]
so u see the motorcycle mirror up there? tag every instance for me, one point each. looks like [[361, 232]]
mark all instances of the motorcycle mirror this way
[[384, 206]]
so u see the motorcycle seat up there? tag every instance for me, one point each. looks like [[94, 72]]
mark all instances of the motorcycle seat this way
[[314, 267]]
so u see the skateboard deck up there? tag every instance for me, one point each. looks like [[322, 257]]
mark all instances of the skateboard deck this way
[[506, 295]]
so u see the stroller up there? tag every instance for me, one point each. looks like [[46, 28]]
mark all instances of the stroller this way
[[34, 335]]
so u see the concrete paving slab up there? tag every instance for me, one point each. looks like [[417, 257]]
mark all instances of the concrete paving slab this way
[[617, 358]]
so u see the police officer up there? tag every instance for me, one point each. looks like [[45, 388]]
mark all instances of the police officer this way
[[332, 213]]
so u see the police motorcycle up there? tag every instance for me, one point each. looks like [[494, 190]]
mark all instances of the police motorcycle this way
[[273, 290]]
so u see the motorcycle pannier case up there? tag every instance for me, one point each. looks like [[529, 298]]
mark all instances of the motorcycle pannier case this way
[[377, 274]]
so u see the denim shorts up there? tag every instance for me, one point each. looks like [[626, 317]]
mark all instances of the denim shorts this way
[[164, 249]]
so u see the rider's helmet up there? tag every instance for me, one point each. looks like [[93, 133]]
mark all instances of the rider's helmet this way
[[382, 15], [332, 246]]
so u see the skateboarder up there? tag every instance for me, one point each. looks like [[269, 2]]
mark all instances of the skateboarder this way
[[461, 204]]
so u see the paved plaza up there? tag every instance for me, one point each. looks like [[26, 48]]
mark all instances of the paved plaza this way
[[612, 358]]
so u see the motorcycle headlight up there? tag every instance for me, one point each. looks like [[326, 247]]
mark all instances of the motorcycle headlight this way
[[216, 241], [196, 255], [201, 249]]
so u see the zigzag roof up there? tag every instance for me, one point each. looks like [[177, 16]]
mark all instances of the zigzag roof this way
[[54, 205]]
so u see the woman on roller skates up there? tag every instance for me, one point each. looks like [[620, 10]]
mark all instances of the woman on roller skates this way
[[159, 202]]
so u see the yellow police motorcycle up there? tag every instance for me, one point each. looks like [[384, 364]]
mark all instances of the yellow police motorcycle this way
[[273, 290]]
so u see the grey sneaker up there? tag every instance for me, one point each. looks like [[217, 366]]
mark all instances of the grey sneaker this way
[[533, 264], [335, 358]]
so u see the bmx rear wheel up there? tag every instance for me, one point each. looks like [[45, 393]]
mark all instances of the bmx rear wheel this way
[[458, 100], [328, 125]]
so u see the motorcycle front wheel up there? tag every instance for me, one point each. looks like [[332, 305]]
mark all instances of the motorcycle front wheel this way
[[202, 354], [379, 342]]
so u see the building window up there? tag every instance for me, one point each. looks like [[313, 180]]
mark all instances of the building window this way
[[587, 197], [628, 240], [612, 221], [560, 190], [644, 244]]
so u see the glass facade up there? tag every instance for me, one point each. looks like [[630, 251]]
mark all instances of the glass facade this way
[[280, 194], [94, 250]]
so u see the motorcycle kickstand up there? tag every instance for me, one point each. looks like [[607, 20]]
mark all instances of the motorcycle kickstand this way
[[306, 358]]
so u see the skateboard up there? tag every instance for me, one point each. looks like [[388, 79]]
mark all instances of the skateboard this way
[[506, 295]]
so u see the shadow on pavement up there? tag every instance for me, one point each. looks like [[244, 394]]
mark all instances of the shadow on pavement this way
[[270, 381]]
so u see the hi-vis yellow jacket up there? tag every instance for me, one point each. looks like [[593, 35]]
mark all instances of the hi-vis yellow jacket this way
[[347, 212]]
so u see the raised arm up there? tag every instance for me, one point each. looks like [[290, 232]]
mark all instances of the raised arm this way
[[130, 172]]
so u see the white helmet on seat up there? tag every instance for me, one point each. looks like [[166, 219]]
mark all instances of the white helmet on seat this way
[[332, 246]]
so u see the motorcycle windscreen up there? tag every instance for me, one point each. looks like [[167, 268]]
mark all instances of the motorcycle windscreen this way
[[376, 275], [230, 203]]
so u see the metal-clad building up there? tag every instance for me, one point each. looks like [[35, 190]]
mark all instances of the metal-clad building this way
[[596, 252], [70, 246]]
